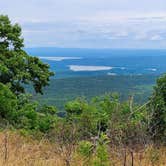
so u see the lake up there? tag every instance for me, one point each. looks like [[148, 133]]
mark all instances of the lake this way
[[68, 62]]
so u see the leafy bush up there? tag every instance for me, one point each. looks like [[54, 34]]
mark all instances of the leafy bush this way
[[157, 109], [8, 102], [85, 148]]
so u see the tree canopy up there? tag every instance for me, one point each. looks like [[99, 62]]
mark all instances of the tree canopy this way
[[17, 68]]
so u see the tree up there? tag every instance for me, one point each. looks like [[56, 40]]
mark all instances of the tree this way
[[49, 110], [157, 107], [85, 115], [17, 68], [8, 102], [76, 107]]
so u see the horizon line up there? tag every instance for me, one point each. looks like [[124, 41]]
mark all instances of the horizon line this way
[[130, 48]]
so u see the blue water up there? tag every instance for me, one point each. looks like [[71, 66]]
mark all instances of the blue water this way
[[124, 62]]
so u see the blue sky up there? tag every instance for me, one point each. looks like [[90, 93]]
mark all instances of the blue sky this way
[[90, 23]]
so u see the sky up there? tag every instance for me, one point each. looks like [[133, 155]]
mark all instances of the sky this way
[[89, 23]]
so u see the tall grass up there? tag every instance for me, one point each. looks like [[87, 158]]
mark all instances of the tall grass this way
[[18, 150]]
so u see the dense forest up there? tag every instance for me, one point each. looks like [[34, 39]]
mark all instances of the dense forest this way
[[102, 131], [60, 91]]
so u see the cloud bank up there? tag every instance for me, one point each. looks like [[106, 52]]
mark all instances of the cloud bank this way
[[90, 23]]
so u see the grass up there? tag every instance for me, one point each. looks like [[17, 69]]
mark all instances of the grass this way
[[18, 150]]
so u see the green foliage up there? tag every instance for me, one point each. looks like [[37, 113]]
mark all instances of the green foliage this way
[[25, 117], [16, 66], [157, 108], [127, 125], [84, 115], [30, 118], [95, 154], [106, 105], [46, 123], [102, 158], [60, 91], [23, 113], [52, 110], [85, 148], [8, 102], [88, 121], [75, 107]]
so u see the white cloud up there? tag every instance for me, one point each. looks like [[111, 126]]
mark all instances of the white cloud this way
[[141, 36], [156, 37], [123, 16]]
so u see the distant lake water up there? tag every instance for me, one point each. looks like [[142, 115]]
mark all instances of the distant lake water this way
[[96, 62]]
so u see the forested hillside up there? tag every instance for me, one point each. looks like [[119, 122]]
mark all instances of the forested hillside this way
[[62, 90]]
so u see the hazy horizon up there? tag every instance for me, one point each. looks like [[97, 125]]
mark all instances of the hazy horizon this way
[[93, 48]]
